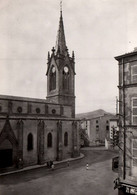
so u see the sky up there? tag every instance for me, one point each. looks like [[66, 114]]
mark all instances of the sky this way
[[97, 31]]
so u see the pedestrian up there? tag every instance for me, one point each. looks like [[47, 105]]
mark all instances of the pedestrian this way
[[87, 166], [20, 163], [51, 164], [52, 167], [48, 164]]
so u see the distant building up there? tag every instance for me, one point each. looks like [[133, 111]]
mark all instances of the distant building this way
[[100, 129], [97, 125], [84, 132], [35, 131]]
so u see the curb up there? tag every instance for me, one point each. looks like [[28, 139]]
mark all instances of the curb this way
[[41, 166]]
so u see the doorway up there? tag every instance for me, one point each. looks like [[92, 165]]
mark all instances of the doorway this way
[[6, 154]]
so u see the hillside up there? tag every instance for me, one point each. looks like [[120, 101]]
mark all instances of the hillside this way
[[93, 114]]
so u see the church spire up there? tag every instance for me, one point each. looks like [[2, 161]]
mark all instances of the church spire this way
[[61, 42]]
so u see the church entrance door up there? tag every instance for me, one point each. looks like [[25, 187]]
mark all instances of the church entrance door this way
[[6, 154]]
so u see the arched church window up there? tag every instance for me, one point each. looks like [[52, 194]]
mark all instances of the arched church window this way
[[30, 142], [49, 140], [53, 78], [66, 139], [66, 78]]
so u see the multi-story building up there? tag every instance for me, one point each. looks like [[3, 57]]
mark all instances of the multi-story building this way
[[100, 129], [84, 132], [97, 125], [127, 178], [34, 131]]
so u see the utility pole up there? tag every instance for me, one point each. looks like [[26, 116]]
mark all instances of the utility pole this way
[[116, 105]]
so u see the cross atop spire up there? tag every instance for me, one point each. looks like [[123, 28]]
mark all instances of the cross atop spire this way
[[60, 6], [61, 42]]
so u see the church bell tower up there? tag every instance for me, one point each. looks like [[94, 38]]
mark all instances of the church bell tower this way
[[61, 72]]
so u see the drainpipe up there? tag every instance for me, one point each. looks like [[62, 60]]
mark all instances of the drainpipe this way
[[124, 124]]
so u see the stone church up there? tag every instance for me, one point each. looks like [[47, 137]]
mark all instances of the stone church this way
[[36, 131]]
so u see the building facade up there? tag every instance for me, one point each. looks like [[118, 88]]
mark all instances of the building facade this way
[[127, 181], [84, 132], [96, 126], [100, 129], [35, 131]]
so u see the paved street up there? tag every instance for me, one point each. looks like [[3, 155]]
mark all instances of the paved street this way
[[72, 180]]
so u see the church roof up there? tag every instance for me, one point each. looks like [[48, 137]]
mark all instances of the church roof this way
[[61, 42]]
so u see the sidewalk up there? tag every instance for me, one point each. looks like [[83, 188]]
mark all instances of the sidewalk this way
[[94, 148], [100, 148], [40, 166]]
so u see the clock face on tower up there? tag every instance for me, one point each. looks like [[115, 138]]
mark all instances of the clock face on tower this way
[[53, 69], [66, 69]]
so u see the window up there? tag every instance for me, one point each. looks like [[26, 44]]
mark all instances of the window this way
[[134, 152], [97, 127], [38, 110], [134, 74], [134, 111], [53, 78], [49, 140], [97, 132], [30, 142], [107, 128], [96, 121], [65, 139]]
